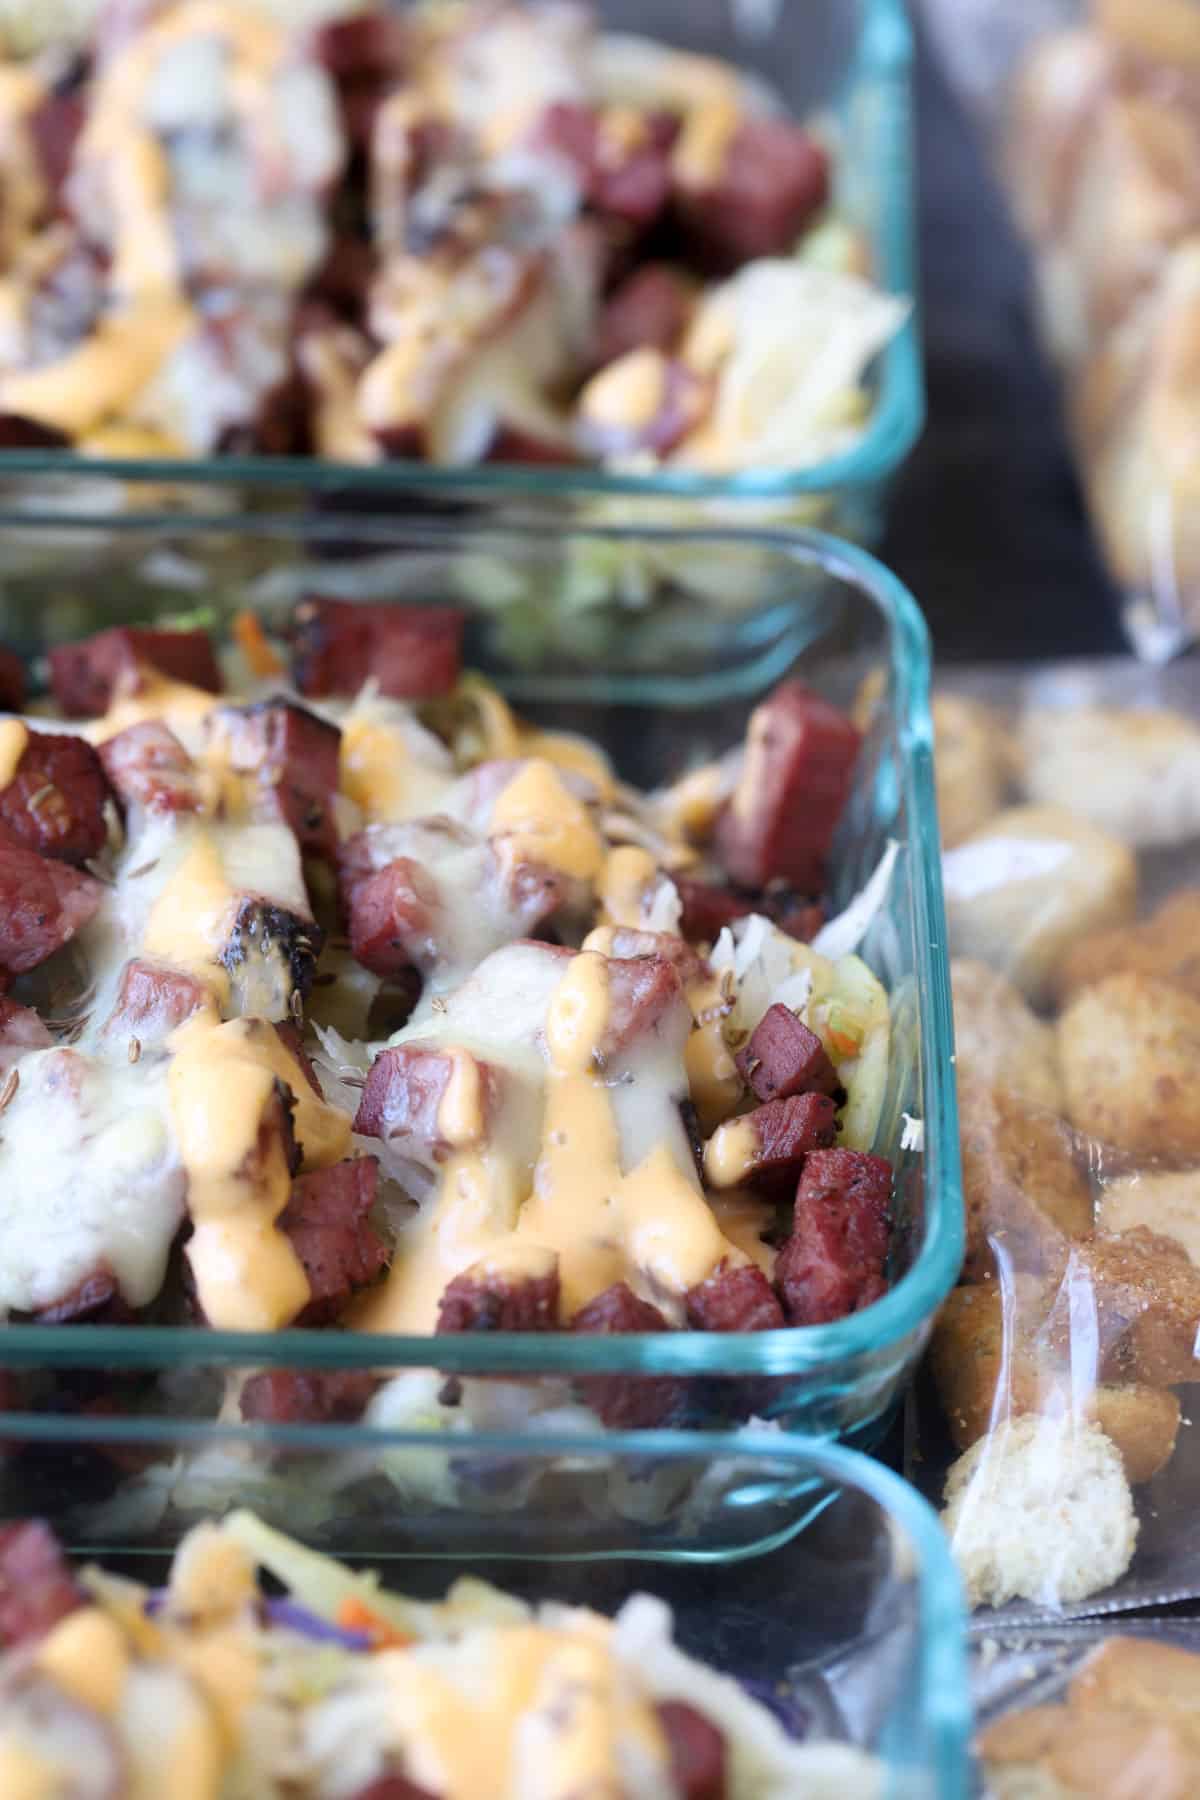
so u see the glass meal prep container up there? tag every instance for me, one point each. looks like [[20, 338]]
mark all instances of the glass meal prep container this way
[[849, 1632], [849, 64], [671, 683]]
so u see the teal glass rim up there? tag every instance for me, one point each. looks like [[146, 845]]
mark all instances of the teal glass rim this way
[[883, 68], [882, 1328], [942, 1672]]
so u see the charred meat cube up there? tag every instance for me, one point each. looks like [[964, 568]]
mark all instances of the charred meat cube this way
[[150, 770], [770, 1140], [697, 1752], [772, 181], [623, 178], [293, 757], [12, 681], [95, 1298], [152, 1000], [800, 754], [86, 675], [365, 57], [328, 1221], [301, 1397], [647, 311], [628, 1402], [709, 906], [20, 1030], [740, 1299], [19, 433], [393, 1787], [390, 917], [835, 1260], [412, 652], [37, 1588], [783, 1057], [42, 904], [55, 800], [503, 1296], [271, 958], [402, 1100], [642, 991]]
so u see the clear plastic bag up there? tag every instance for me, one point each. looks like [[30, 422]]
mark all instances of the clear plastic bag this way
[[1084, 1709], [1063, 1365], [1095, 112]]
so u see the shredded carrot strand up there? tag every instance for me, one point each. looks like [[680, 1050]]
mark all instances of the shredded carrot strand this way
[[251, 640], [355, 1615]]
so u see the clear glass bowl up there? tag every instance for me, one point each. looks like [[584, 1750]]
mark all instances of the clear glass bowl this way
[[661, 682], [832, 1595], [849, 59]]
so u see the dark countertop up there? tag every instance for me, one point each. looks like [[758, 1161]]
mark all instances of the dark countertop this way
[[986, 522]]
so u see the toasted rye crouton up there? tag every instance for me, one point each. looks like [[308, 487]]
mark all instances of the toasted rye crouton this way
[[1025, 1195], [1020, 891], [1129, 1049], [998, 1040], [969, 766], [1146, 1295], [988, 1368], [1166, 945], [1133, 772], [1164, 1201], [1039, 1509]]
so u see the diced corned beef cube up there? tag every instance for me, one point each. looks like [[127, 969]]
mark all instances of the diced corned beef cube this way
[[328, 1222], [740, 1299], [487, 1298], [20, 1030], [783, 1057], [800, 754], [647, 311], [401, 1101], [709, 906], [55, 800], [770, 1140], [628, 1402], [19, 433], [642, 991], [390, 917], [12, 681], [149, 768], [96, 1297], [152, 1000], [294, 757], [85, 675], [631, 183], [37, 1588], [412, 652], [393, 1787], [697, 1752], [512, 445], [54, 124], [367, 43], [42, 904], [773, 180], [303, 1397], [834, 1263], [626, 944]]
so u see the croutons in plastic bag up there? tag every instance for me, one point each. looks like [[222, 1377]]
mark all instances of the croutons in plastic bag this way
[[1062, 1362]]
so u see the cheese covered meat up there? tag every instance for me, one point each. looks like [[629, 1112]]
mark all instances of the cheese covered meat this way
[[620, 1092], [341, 1690], [466, 234]]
